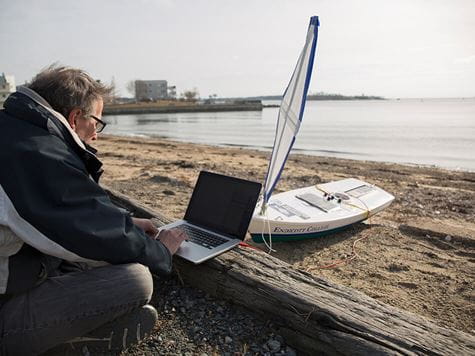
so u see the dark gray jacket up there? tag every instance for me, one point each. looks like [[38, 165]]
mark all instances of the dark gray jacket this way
[[51, 206]]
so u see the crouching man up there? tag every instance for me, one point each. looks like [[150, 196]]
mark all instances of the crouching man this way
[[74, 269]]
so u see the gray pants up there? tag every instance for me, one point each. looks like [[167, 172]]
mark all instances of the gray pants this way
[[71, 305]]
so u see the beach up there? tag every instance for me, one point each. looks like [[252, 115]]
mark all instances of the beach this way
[[417, 255]]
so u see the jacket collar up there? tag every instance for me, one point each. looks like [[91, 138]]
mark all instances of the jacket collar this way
[[44, 104], [25, 104]]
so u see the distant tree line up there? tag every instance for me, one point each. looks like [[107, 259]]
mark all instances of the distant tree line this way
[[322, 96]]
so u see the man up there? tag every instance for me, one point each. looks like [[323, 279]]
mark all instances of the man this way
[[74, 268]]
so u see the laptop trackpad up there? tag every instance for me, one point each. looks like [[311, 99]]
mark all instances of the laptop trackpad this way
[[192, 251], [197, 254], [185, 248]]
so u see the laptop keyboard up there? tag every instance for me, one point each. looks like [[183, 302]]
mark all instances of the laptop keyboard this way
[[201, 237]]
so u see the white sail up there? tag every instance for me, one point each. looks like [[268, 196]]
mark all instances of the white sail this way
[[291, 109]]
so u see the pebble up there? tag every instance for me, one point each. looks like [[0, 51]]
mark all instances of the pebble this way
[[448, 238], [204, 325], [274, 345]]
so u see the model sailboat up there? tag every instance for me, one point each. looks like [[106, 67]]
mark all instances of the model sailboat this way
[[316, 210]]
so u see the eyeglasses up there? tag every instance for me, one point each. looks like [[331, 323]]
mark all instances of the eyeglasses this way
[[100, 125]]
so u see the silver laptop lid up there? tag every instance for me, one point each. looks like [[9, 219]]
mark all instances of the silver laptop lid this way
[[223, 204]]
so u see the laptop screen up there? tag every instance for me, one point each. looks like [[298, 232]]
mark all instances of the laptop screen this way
[[223, 204]]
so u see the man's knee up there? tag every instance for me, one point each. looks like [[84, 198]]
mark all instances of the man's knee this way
[[137, 280]]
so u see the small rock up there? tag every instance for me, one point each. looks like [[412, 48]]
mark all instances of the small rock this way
[[255, 347], [437, 212], [448, 238], [274, 345], [280, 339], [228, 340], [265, 347]]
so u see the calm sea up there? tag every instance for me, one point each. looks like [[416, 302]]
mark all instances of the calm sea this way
[[437, 132]]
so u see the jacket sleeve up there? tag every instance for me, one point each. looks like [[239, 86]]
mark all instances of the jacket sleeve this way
[[72, 215]]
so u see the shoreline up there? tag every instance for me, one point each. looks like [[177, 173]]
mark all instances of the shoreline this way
[[294, 151], [418, 254], [129, 109]]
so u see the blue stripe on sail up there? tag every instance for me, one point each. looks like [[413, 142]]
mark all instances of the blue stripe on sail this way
[[315, 22]]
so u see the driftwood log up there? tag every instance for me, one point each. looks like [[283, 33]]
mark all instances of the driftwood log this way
[[314, 315]]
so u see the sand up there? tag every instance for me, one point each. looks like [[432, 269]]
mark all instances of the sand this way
[[417, 255]]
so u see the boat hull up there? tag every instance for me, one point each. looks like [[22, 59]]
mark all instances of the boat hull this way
[[317, 211]]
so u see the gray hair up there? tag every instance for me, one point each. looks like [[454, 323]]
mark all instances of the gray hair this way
[[66, 88]]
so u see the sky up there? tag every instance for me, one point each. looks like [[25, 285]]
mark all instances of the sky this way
[[233, 48]]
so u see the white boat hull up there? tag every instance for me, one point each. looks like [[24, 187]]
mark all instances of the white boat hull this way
[[317, 210]]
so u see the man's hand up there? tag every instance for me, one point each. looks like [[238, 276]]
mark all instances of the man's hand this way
[[147, 226], [172, 239]]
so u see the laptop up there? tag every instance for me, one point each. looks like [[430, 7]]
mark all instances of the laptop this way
[[217, 217]]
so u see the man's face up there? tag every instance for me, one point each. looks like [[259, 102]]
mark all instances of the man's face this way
[[85, 126]]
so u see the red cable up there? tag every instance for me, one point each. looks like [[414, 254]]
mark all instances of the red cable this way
[[245, 244]]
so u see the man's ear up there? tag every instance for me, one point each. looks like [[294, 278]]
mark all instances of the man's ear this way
[[73, 117]]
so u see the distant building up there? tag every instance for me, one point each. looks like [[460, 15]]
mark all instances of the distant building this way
[[151, 90], [7, 86]]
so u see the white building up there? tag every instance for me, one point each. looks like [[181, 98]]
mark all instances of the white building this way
[[7, 86], [150, 90]]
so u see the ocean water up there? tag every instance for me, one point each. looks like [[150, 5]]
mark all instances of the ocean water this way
[[438, 132]]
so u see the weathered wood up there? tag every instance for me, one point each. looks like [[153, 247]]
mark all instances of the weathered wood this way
[[314, 315]]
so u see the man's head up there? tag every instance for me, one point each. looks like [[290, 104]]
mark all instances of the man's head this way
[[76, 95]]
